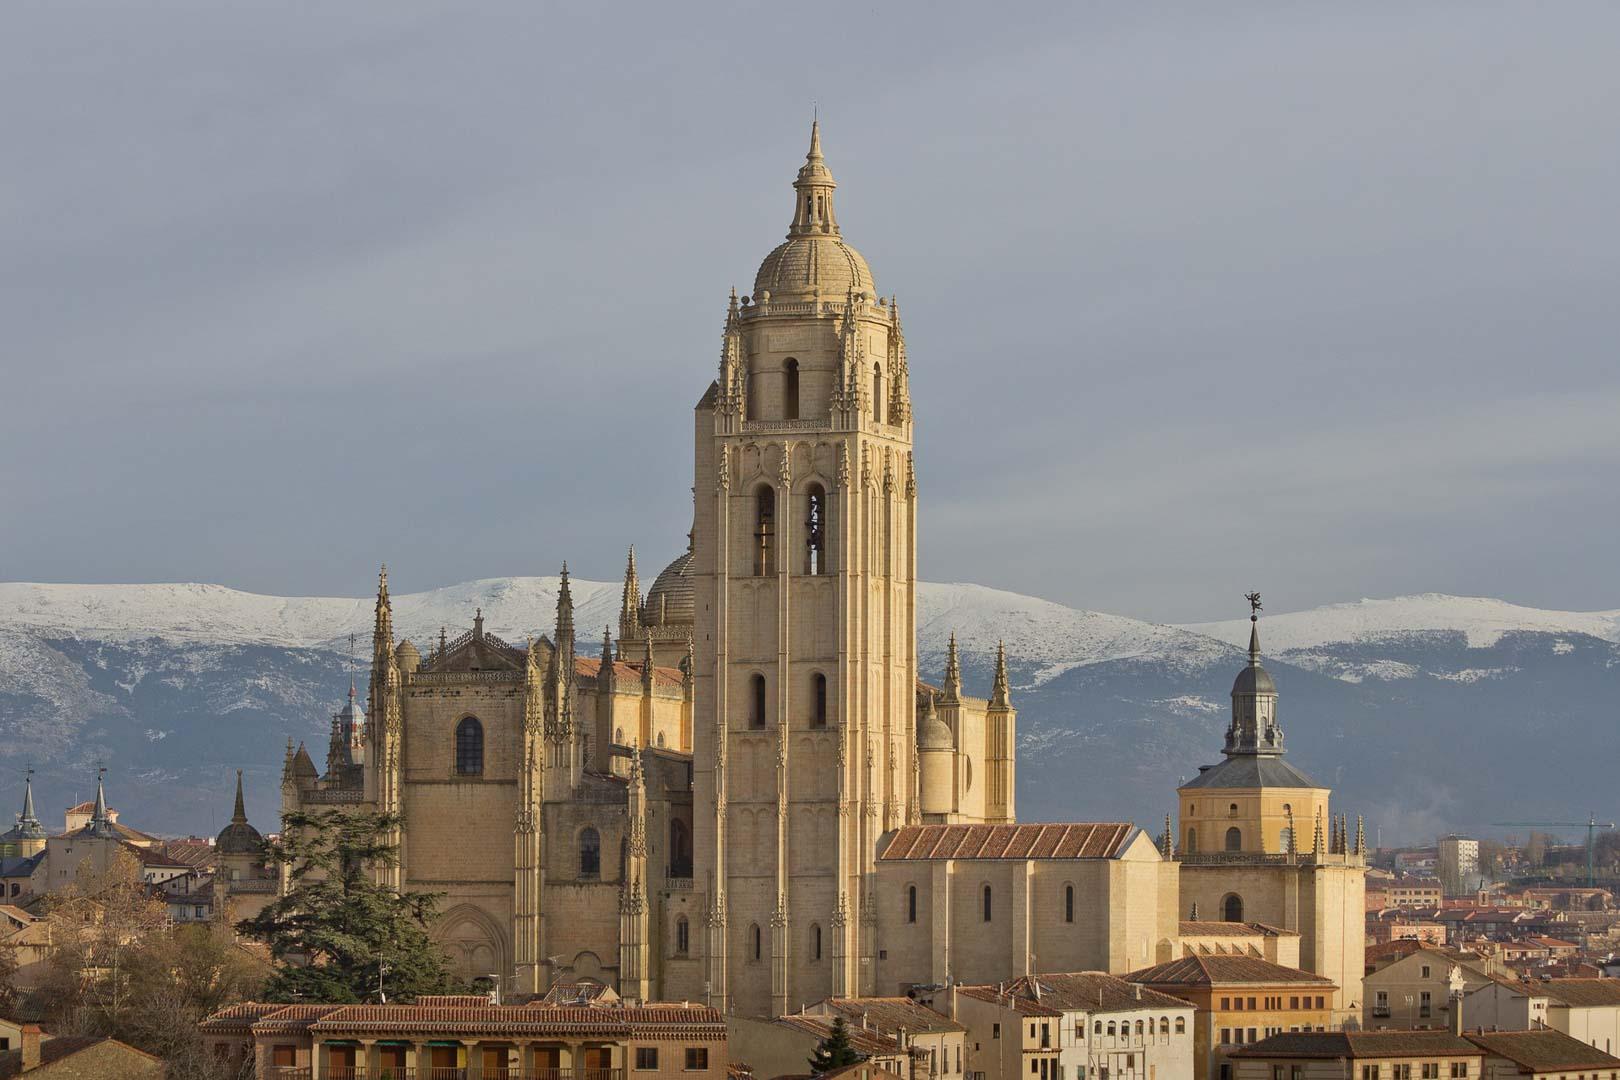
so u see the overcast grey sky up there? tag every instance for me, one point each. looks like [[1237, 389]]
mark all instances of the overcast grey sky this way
[[1314, 298]]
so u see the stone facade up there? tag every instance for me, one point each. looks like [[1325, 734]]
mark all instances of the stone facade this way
[[726, 803]]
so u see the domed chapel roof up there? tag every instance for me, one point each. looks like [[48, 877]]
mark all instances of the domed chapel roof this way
[[670, 601]]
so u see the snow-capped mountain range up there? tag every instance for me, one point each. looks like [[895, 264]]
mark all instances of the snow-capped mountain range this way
[[1424, 712]]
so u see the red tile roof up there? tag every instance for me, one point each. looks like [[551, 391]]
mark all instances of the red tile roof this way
[[1350, 1045], [1225, 971], [1086, 840], [693, 1021], [1542, 1050]]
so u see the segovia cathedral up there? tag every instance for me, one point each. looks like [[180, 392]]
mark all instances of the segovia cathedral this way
[[747, 796]]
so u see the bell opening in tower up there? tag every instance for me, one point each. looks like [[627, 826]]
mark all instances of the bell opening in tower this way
[[765, 533]]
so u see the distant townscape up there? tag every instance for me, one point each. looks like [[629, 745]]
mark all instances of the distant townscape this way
[[731, 824]]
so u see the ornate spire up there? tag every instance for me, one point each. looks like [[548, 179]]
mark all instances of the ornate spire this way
[[27, 815], [239, 815], [1000, 696], [647, 667], [1167, 842], [813, 190], [28, 826], [1293, 834], [1361, 837], [565, 613], [953, 671], [1316, 840], [100, 821], [630, 601], [1254, 729], [382, 634]]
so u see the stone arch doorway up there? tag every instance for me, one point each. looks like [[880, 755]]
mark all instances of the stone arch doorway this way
[[474, 943]]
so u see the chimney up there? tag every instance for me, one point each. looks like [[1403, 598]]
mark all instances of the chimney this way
[[30, 1047], [1138, 988], [1456, 1016]]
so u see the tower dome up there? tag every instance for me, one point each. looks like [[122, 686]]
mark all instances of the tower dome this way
[[238, 838], [814, 261], [669, 601]]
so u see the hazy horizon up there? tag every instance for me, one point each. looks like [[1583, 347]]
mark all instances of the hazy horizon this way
[[1310, 300]]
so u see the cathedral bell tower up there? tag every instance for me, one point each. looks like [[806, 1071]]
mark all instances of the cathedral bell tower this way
[[804, 663]]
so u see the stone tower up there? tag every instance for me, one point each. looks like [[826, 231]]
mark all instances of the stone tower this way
[[1259, 844], [804, 559]]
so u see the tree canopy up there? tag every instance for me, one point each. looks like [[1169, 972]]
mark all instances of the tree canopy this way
[[339, 935], [834, 1052]]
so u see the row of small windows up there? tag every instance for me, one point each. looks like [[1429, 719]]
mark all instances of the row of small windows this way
[[816, 559], [790, 393], [757, 700], [1142, 1027], [756, 940], [1234, 840], [989, 908]]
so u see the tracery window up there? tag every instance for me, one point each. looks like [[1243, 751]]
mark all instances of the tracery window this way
[[878, 401], [765, 533], [815, 531], [790, 389], [1234, 839], [469, 747], [590, 853], [756, 701]]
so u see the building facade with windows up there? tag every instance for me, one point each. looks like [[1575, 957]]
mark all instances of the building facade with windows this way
[[471, 1037], [1241, 1000]]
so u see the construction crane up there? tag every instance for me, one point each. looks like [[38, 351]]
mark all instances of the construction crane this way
[[1591, 825]]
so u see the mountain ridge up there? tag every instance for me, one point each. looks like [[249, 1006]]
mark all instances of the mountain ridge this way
[[176, 684]]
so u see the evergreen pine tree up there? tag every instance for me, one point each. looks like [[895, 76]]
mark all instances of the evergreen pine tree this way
[[834, 1052], [338, 935]]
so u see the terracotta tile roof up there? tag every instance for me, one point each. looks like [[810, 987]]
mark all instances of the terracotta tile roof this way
[[1026, 1006], [1213, 928], [239, 1017], [890, 1014], [693, 1021], [1093, 840], [62, 1047], [1095, 992], [863, 1040], [1358, 1044], [1220, 970], [1542, 1050], [291, 1019], [586, 667], [1581, 993]]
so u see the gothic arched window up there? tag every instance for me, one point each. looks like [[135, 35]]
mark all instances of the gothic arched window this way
[[878, 401], [680, 849], [988, 908], [590, 853], [818, 693], [756, 701], [470, 747], [765, 532], [790, 389], [815, 530], [1232, 908], [1234, 839], [683, 936], [1192, 841]]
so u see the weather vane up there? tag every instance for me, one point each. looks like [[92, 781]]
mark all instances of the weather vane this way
[[1254, 605]]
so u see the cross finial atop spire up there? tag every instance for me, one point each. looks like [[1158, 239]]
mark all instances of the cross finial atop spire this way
[[1254, 626]]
